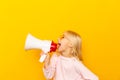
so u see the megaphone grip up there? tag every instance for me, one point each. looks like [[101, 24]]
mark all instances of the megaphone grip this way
[[42, 58]]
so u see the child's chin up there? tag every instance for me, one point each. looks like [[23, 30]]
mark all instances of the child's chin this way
[[59, 50]]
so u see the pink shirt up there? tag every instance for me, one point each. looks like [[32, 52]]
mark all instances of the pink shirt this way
[[63, 68]]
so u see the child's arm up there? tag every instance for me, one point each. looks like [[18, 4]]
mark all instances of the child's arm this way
[[49, 66], [85, 72]]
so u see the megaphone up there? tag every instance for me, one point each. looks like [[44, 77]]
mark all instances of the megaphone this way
[[44, 45]]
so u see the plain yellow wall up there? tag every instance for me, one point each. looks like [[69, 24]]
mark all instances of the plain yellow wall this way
[[97, 21]]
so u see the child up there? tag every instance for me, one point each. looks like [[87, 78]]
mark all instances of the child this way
[[66, 63]]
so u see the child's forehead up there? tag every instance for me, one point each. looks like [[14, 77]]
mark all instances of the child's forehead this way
[[64, 34]]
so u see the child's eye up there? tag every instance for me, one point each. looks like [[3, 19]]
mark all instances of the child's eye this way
[[62, 37]]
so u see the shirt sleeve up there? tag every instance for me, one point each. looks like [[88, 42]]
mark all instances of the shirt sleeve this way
[[50, 70], [84, 71]]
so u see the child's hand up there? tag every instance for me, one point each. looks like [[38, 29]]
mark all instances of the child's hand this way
[[47, 59]]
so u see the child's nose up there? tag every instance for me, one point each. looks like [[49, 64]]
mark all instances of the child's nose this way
[[58, 39]]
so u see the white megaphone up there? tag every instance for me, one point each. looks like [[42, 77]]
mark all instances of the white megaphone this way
[[44, 45]]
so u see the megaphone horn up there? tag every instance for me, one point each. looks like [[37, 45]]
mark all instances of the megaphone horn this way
[[44, 45]]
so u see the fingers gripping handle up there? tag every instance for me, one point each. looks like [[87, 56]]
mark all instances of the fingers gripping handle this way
[[51, 48]]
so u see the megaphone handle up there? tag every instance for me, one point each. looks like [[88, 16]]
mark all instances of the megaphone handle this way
[[42, 58]]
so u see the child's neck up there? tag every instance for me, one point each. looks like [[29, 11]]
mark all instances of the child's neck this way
[[67, 54]]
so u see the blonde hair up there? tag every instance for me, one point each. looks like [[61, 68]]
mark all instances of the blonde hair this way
[[76, 41]]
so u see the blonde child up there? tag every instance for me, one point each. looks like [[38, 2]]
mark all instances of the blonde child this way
[[66, 63]]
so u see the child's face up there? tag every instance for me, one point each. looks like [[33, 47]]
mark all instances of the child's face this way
[[63, 42]]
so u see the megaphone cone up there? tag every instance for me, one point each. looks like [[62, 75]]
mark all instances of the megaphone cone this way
[[44, 45]]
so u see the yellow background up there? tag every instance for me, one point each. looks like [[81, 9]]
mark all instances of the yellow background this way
[[97, 21]]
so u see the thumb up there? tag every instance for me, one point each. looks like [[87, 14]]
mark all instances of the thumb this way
[[42, 53]]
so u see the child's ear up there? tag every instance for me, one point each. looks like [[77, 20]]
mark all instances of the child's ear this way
[[70, 45]]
